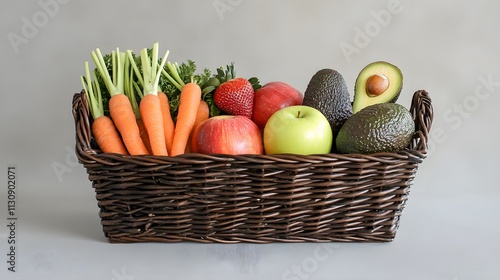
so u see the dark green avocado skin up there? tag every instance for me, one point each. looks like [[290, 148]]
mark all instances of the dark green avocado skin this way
[[384, 127], [327, 92]]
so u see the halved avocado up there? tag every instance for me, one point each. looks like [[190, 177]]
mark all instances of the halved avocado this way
[[378, 82]]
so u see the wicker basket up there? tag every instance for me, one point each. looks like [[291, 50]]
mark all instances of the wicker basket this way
[[252, 198]]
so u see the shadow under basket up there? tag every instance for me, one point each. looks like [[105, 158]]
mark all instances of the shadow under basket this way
[[252, 198]]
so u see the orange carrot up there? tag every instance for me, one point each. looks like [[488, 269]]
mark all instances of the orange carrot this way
[[123, 116], [103, 128], [144, 135], [190, 98], [150, 106], [119, 105], [168, 122], [202, 114], [151, 115], [107, 136], [130, 87]]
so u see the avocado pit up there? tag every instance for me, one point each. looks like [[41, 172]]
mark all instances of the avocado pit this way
[[376, 85]]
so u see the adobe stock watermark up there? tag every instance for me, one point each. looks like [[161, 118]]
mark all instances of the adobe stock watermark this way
[[371, 29], [30, 26], [223, 6], [12, 217], [70, 162], [121, 275], [459, 112], [311, 263]]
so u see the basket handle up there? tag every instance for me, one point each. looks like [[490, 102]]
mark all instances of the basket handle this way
[[423, 114], [81, 115]]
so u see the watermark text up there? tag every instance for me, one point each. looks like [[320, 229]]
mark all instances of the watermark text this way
[[12, 181], [30, 26], [371, 29]]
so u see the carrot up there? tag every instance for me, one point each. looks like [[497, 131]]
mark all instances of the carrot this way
[[168, 122], [144, 135], [107, 136], [123, 116], [150, 106], [202, 114], [151, 114], [120, 108], [103, 128], [190, 98], [130, 88]]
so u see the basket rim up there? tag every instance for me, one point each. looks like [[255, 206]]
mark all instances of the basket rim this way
[[421, 109]]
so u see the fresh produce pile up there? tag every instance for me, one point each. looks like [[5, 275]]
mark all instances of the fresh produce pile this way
[[143, 104]]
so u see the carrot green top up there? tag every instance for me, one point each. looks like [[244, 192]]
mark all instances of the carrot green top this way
[[93, 93], [115, 85], [151, 71]]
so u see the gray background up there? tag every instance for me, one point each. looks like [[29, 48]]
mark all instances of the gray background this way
[[450, 228]]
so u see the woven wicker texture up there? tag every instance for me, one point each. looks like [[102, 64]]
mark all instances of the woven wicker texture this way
[[255, 198]]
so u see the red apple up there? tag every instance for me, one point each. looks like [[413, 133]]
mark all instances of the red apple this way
[[228, 134], [270, 98]]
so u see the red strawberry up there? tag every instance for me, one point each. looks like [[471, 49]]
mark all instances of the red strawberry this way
[[235, 97]]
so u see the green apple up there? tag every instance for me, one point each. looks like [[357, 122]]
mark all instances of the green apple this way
[[298, 129]]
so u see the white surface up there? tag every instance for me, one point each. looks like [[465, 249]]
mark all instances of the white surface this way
[[450, 229]]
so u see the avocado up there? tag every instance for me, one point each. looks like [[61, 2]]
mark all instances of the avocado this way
[[378, 82], [383, 127], [327, 92]]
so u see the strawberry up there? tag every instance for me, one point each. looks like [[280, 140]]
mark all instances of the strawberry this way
[[231, 94], [235, 97]]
